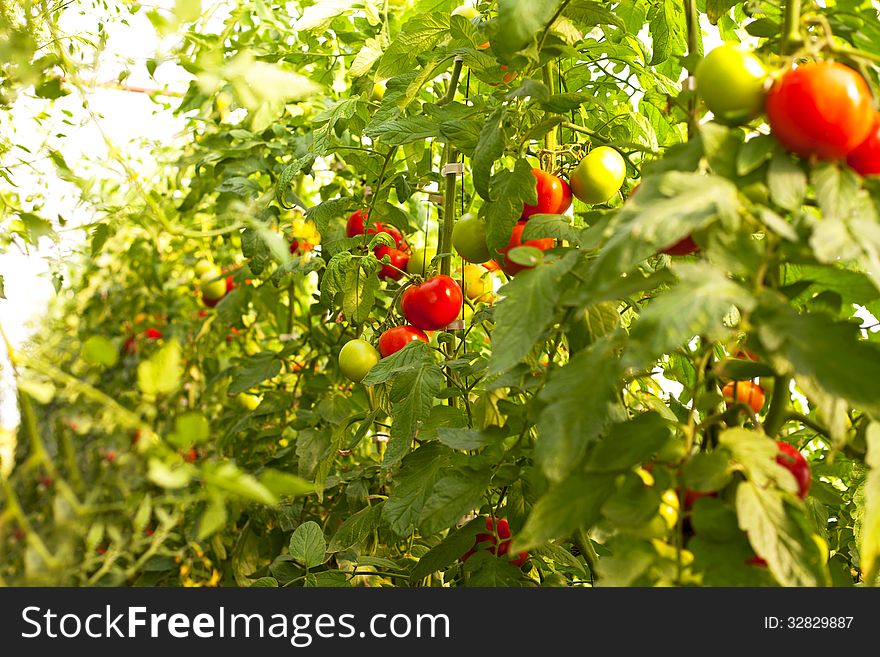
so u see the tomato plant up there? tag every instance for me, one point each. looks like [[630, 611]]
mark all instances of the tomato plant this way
[[613, 416]]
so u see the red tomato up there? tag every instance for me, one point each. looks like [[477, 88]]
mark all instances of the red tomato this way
[[683, 247], [822, 109], [395, 339], [130, 346], [399, 260], [512, 268], [433, 304], [790, 458], [554, 195], [230, 284], [500, 549], [355, 224], [744, 392], [866, 157], [300, 247], [153, 333]]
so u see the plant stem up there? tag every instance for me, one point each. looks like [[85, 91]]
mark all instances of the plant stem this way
[[778, 405], [585, 545], [791, 33], [550, 140], [694, 41]]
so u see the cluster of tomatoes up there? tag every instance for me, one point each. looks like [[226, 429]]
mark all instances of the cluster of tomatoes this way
[[398, 255], [818, 110]]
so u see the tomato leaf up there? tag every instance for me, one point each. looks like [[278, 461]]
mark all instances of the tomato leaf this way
[[780, 534], [447, 551], [356, 528], [412, 396], [412, 485], [452, 496]]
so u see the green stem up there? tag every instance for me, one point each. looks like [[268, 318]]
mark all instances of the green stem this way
[[550, 140], [694, 41], [585, 545], [791, 32], [778, 405]]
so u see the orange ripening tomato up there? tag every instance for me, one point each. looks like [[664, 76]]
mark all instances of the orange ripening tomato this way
[[745, 392]]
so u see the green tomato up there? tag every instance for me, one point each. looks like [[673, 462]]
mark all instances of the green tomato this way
[[731, 82], [213, 285], [469, 239], [378, 92], [356, 358], [599, 175], [419, 261], [204, 266], [467, 11]]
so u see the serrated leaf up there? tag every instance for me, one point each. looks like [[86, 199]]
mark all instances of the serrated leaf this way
[[573, 504], [452, 496], [526, 312], [253, 371], [356, 528], [780, 535], [489, 148], [413, 356], [412, 485], [787, 181], [448, 551], [412, 396]]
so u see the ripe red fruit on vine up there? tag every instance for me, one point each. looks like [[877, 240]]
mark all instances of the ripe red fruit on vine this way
[[432, 305], [512, 268], [230, 284], [820, 109], [745, 392], [395, 234], [791, 459], [554, 195], [397, 266], [683, 247], [300, 247], [500, 549], [153, 333], [865, 159], [395, 339], [130, 346], [355, 224]]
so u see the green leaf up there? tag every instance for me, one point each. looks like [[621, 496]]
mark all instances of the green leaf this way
[[696, 306], [573, 504], [265, 582], [452, 496], [593, 323], [98, 350], [307, 544], [755, 454], [462, 438], [509, 190], [187, 11], [360, 288], [412, 485], [490, 147], [629, 443], [519, 22], [447, 551], [667, 31], [213, 518], [526, 312], [161, 373], [189, 429], [167, 476], [801, 344], [578, 408], [404, 130], [707, 471], [419, 34], [780, 534], [254, 370], [283, 484], [413, 356], [487, 570], [356, 528], [787, 181], [412, 396]]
